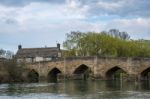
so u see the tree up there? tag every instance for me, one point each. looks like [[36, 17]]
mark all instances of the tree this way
[[113, 43], [116, 33], [72, 41], [124, 35], [2, 52], [6, 54], [89, 44]]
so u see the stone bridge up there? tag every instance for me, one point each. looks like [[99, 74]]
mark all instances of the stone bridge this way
[[89, 67]]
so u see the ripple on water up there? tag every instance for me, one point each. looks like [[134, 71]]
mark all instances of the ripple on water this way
[[71, 90], [38, 96], [124, 95], [3, 86]]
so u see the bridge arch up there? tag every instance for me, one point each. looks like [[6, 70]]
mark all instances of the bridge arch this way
[[33, 76], [145, 74], [53, 74], [115, 73], [82, 71]]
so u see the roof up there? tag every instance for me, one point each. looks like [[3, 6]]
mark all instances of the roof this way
[[37, 52]]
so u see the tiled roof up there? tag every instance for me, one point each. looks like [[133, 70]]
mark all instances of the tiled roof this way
[[39, 52]]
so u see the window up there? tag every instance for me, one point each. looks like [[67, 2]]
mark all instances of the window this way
[[48, 59], [28, 60]]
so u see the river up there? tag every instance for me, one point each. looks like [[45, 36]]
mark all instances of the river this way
[[76, 90]]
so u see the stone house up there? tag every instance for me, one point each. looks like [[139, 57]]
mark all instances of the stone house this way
[[30, 55]]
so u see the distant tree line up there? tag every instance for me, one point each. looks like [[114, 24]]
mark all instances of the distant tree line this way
[[6, 54], [109, 44]]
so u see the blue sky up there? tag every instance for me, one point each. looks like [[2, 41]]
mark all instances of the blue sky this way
[[39, 23]]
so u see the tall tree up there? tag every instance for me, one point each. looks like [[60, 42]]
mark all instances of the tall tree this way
[[2, 53], [6, 54], [116, 33], [114, 44]]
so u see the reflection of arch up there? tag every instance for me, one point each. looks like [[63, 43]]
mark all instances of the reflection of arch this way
[[52, 75], [33, 76], [145, 75], [82, 71], [114, 73]]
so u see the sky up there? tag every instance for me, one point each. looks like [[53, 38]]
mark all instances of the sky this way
[[40, 23]]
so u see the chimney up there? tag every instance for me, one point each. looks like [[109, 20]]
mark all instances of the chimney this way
[[58, 46], [19, 47]]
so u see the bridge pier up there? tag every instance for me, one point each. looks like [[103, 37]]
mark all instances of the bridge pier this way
[[133, 78], [43, 79]]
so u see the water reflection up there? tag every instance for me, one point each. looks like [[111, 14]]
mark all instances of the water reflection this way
[[116, 73], [77, 90]]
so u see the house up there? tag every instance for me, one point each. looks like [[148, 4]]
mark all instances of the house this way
[[30, 55]]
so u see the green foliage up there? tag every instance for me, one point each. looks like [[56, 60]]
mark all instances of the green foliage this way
[[112, 43]]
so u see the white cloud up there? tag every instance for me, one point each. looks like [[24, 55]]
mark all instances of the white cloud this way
[[136, 27], [52, 13], [37, 15], [110, 6], [75, 9], [22, 3], [41, 23]]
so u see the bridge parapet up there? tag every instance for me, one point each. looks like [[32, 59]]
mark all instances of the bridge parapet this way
[[80, 58]]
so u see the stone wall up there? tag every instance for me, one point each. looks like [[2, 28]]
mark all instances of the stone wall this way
[[4, 75], [98, 66]]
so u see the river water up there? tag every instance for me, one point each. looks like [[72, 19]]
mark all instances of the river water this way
[[76, 90]]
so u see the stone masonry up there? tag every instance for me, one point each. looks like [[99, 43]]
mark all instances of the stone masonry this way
[[134, 67]]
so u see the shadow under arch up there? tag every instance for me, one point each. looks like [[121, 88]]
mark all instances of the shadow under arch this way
[[115, 73], [53, 74], [145, 74], [33, 76], [82, 71]]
